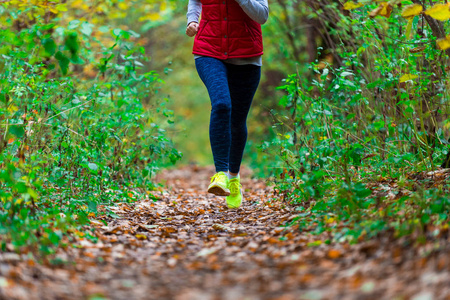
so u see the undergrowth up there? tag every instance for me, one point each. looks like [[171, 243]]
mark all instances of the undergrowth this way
[[358, 142], [80, 125]]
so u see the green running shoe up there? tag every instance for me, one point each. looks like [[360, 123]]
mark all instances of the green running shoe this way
[[219, 185], [236, 196]]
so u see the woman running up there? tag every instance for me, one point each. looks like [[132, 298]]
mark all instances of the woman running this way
[[227, 50]]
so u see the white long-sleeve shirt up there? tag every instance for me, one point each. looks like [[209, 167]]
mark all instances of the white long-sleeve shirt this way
[[257, 10]]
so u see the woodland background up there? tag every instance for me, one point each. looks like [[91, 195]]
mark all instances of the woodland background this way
[[350, 123]]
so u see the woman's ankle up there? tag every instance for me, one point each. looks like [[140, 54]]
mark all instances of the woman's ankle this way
[[232, 175]]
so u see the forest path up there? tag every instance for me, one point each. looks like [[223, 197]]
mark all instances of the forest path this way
[[189, 246]]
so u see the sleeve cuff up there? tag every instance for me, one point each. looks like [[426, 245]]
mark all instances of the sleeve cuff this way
[[191, 19]]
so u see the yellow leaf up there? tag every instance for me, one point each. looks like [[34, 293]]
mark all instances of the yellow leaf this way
[[79, 4], [315, 243], [141, 236], [412, 10], [123, 6], [444, 43], [330, 220], [63, 7], [384, 10], [352, 5], [76, 3], [13, 108], [375, 12], [439, 12], [407, 77], [101, 8], [408, 28], [154, 16], [117, 14]]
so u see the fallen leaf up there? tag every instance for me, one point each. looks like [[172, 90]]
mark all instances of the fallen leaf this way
[[333, 254], [220, 227], [141, 236]]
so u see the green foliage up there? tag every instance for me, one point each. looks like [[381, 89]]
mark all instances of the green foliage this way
[[351, 137], [79, 127]]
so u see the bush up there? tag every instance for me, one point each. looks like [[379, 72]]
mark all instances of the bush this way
[[359, 127], [80, 125]]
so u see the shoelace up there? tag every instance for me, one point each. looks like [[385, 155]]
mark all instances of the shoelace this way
[[234, 188], [215, 176]]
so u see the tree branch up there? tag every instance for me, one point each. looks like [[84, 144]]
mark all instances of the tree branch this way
[[436, 26]]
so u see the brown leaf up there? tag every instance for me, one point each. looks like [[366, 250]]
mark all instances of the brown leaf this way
[[220, 227], [417, 49], [384, 10]]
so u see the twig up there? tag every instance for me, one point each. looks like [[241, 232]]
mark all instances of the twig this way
[[69, 109]]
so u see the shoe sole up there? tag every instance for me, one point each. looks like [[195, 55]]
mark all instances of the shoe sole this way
[[218, 191]]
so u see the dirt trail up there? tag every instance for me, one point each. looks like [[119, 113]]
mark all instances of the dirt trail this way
[[189, 246]]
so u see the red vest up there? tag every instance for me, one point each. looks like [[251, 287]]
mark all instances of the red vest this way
[[226, 31]]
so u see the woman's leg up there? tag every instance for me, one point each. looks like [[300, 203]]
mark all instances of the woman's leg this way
[[243, 82], [213, 73]]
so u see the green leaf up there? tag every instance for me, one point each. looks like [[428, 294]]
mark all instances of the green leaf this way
[[71, 43], [63, 62], [21, 187], [116, 32], [92, 206], [93, 166], [54, 238], [3, 97], [346, 73], [409, 109], [425, 219], [73, 24], [17, 130], [77, 60], [82, 218], [49, 46], [86, 28], [48, 26], [32, 193]]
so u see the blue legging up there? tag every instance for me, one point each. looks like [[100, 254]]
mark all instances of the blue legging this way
[[231, 89]]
